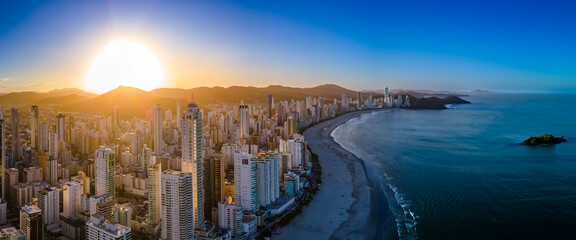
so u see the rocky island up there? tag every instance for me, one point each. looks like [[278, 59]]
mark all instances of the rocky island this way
[[434, 102], [545, 140]]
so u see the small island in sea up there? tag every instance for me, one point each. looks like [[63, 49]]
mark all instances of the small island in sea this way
[[434, 102], [546, 139]]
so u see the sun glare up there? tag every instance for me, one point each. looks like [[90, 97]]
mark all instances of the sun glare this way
[[127, 63]]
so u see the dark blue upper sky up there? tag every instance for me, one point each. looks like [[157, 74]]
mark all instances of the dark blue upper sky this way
[[441, 45]]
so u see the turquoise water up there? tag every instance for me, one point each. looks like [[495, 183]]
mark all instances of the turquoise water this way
[[461, 173]]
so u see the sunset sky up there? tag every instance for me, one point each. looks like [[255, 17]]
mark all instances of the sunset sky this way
[[438, 45]]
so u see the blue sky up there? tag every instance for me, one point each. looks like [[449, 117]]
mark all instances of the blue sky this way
[[437, 45]]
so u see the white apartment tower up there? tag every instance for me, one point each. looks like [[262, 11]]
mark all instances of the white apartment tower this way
[[49, 203], [245, 181], [2, 156], [105, 172], [71, 194], [34, 137], [60, 127], [192, 159], [230, 217], [178, 117], [244, 120], [177, 205], [158, 125], [154, 192], [268, 180]]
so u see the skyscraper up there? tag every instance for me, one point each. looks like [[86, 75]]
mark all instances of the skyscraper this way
[[71, 193], [15, 135], [158, 125], [213, 184], [146, 155], [269, 103], [2, 155], [178, 113], [104, 165], [177, 205], [386, 100], [60, 127], [43, 136], [123, 215], [32, 222], [230, 217], [244, 120], [51, 172], [192, 160], [34, 124], [245, 181], [280, 115], [268, 179], [116, 119], [49, 203], [154, 192]]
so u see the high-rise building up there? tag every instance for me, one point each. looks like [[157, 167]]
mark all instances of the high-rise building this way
[[268, 179], [192, 159], [177, 205], [269, 102], [34, 137], [245, 178], [230, 217], [386, 100], [146, 155], [32, 222], [178, 113], [154, 192], [359, 102], [280, 114], [51, 172], [15, 135], [10, 177], [123, 215], [60, 127], [101, 204], [104, 161], [116, 119], [71, 194], [3, 208], [213, 184], [291, 124], [32, 174], [345, 102], [43, 136], [49, 203], [2, 156], [100, 228], [158, 126], [244, 120]]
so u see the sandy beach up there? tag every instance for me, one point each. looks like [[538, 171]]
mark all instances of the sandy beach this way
[[346, 205]]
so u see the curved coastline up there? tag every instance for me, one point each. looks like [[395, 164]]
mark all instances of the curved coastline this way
[[350, 203]]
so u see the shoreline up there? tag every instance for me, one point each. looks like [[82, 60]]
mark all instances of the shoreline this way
[[349, 203]]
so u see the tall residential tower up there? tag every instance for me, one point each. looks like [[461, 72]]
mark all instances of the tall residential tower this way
[[192, 159]]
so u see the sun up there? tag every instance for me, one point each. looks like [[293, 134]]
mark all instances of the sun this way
[[127, 63]]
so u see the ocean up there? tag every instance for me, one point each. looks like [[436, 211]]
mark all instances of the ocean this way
[[461, 173]]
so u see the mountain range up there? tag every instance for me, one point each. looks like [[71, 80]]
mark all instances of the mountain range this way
[[135, 102]]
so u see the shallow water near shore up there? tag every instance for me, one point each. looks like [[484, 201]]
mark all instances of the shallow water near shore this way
[[461, 173]]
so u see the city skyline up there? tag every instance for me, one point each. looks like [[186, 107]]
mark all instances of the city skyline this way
[[450, 45]]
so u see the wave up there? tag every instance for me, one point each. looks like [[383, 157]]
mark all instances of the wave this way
[[406, 219]]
